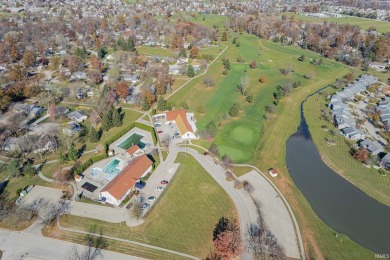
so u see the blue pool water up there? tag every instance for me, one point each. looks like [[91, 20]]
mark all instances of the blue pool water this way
[[111, 169]]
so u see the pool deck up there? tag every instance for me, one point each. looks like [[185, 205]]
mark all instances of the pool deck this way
[[147, 139], [99, 180]]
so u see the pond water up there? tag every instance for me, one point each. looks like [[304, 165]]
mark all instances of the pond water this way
[[336, 201]]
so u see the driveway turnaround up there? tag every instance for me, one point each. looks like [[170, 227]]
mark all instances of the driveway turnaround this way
[[275, 213]]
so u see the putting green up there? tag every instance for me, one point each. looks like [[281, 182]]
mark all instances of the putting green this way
[[242, 134]]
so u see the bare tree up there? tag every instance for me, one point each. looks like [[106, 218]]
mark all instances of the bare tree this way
[[226, 161], [52, 211], [208, 81], [166, 140], [262, 242], [136, 209], [244, 84], [94, 242]]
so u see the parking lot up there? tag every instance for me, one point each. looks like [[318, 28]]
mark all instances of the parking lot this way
[[164, 129], [164, 172]]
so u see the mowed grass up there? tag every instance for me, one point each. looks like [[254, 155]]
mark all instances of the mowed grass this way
[[364, 23], [338, 156], [21, 182], [268, 147], [319, 239], [238, 137], [113, 245], [183, 220], [129, 117], [156, 51]]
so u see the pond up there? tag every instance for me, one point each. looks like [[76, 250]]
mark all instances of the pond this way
[[336, 201]]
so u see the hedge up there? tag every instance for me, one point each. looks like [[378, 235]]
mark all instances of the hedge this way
[[120, 133], [82, 167], [149, 129]]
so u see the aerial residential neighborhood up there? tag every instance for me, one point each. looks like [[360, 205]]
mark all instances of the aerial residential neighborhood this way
[[210, 130]]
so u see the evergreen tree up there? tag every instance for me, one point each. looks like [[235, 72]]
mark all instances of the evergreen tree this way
[[102, 52], [212, 129], [13, 169], [234, 40], [224, 36], [116, 117], [130, 44], [238, 44], [161, 104], [107, 123], [190, 71], [73, 154], [227, 64], [94, 135], [29, 169], [62, 157], [235, 109]]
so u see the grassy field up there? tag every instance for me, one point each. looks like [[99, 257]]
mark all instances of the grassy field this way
[[204, 19], [239, 171], [338, 156], [191, 207], [263, 143], [156, 51], [113, 245], [364, 23], [239, 136]]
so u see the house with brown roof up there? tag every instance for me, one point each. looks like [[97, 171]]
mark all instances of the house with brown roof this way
[[117, 189], [135, 151], [184, 121]]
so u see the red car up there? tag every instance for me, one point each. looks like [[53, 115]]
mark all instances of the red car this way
[[164, 182], [160, 132], [206, 153]]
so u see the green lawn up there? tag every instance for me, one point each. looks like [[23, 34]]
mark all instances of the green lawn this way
[[239, 171], [113, 245], [364, 23], [338, 156], [204, 19], [239, 136], [156, 51], [21, 182], [129, 117], [191, 207]]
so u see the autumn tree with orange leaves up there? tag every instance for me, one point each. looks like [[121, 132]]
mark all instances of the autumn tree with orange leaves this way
[[122, 89], [227, 238]]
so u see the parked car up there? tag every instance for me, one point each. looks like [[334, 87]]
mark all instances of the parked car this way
[[152, 198], [160, 132], [206, 153], [159, 188], [145, 206], [164, 182]]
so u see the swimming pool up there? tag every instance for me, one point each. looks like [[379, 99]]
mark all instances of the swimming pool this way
[[111, 169], [134, 138]]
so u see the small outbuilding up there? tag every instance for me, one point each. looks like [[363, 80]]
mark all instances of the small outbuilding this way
[[273, 172]]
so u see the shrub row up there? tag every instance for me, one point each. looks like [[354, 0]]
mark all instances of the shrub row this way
[[82, 167], [149, 129], [120, 134]]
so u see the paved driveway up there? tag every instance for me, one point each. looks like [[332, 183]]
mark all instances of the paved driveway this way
[[275, 212], [37, 192]]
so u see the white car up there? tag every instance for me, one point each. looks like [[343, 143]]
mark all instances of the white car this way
[[152, 198], [159, 188]]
